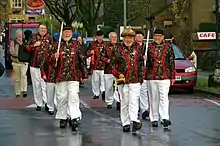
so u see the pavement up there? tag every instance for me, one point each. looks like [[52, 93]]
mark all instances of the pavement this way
[[195, 122]]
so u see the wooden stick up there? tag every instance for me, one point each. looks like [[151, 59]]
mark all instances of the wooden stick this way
[[60, 37], [147, 43]]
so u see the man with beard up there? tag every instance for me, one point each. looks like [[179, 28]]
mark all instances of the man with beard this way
[[139, 38], [128, 65], [39, 47], [108, 59], [160, 75], [97, 66], [70, 63]]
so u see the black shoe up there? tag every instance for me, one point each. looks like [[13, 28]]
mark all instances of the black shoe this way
[[126, 128], [51, 112], [118, 106], [17, 96], [95, 97], [75, 125], [68, 120], [46, 107], [136, 126], [24, 94], [154, 124], [109, 106], [166, 123], [63, 123], [38, 108], [145, 115], [103, 95]]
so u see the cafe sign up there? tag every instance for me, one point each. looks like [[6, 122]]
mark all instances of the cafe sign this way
[[206, 35]]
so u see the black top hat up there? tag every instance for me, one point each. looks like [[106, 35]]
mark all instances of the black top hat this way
[[159, 31], [67, 27], [139, 32], [99, 33]]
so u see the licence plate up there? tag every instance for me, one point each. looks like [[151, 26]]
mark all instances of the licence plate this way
[[178, 78]]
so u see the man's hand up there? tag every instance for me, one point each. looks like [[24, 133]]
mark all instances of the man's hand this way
[[92, 52], [172, 81], [38, 43], [145, 57], [121, 76], [57, 55], [84, 80], [44, 77], [108, 61]]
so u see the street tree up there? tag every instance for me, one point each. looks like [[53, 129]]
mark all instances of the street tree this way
[[182, 24], [62, 10], [88, 12]]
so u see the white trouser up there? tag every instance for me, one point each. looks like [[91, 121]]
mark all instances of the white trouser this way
[[159, 103], [98, 82], [109, 90], [20, 77], [51, 93], [39, 87], [144, 104], [129, 96], [68, 98]]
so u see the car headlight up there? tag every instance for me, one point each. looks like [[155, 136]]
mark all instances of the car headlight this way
[[190, 69]]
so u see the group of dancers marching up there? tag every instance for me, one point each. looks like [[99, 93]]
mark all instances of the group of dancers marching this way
[[57, 68]]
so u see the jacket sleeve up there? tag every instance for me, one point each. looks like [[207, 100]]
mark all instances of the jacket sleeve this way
[[105, 55], [172, 62], [88, 52], [116, 65], [82, 62]]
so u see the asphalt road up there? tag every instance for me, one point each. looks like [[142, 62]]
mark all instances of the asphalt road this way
[[195, 122]]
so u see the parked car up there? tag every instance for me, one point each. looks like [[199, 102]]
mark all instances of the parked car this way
[[186, 72]]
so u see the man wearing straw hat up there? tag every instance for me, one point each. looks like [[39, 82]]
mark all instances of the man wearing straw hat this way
[[160, 75], [69, 62], [129, 61]]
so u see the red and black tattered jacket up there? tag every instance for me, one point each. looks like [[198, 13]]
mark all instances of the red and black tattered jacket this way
[[49, 70], [129, 62], [161, 62], [71, 64], [39, 54], [108, 56], [97, 63]]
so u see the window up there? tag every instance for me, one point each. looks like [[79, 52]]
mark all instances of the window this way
[[16, 20], [16, 3], [178, 54]]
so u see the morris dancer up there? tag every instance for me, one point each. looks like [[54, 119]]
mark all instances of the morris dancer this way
[[108, 58], [160, 75], [39, 47], [98, 67], [129, 63], [144, 93], [70, 63]]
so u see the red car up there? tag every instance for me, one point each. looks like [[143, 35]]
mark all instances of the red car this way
[[186, 72]]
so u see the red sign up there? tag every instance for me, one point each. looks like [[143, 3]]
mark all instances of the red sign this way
[[35, 4], [206, 35]]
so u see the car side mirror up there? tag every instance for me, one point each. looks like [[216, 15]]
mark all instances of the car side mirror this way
[[190, 58]]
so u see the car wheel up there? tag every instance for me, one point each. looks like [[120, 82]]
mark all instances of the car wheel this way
[[191, 90]]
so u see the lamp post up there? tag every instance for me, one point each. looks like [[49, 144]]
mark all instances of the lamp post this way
[[217, 26]]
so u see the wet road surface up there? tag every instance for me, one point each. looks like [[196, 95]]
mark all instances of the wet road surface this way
[[195, 122]]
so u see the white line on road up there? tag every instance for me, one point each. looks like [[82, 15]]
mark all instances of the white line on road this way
[[213, 101]]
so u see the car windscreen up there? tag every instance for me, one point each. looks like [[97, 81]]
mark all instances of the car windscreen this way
[[13, 32], [177, 53]]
